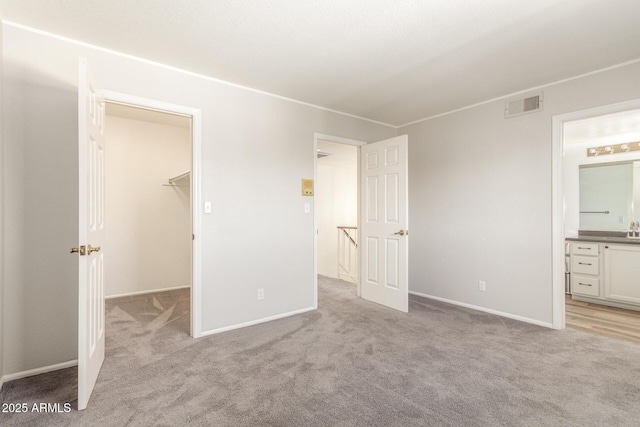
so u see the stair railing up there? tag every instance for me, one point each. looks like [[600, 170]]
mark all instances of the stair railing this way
[[348, 253]]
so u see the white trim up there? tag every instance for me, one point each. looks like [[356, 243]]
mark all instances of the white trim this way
[[180, 70], [38, 371], [196, 224], [146, 103], [520, 92], [152, 291], [196, 144], [557, 199], [484, 309], [255, 322], [337, 140], [557, 225]]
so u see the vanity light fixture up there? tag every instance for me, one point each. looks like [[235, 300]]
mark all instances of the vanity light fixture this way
[[614, 148]]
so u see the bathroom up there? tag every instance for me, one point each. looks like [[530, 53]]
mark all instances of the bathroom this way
[[602, 224]]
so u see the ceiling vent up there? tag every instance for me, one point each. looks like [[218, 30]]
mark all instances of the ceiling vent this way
[[321, 154], [521, 106]]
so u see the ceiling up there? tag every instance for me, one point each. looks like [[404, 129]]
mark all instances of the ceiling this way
[[391, 61], [340, 155]]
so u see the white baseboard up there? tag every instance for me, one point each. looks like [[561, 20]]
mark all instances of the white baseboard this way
[[486, 310], [37, 371], [152, 291], [255, 322]]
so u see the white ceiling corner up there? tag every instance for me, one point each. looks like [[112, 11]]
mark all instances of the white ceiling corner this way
[[389, 61]]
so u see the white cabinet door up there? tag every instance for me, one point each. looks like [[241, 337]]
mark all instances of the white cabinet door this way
[[622, 273]]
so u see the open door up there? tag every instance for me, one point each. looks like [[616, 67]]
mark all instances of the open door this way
[[91, 144], [384, 222]]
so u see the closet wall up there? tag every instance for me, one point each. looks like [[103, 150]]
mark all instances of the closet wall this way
[[149, 238]]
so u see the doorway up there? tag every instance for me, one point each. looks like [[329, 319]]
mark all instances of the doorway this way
[[184, 185], [148, 209], [573, 135], [383, 220], [336, 209], [337, 206]]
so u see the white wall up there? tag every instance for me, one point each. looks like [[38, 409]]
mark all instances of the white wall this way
[[480, 198], [337, 204], [148, 243], [1, 219], [255, 150]]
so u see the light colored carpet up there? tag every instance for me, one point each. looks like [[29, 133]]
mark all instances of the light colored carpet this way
[[350, 363]]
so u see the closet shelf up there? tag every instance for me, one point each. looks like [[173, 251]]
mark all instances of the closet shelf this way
[[181, 180]]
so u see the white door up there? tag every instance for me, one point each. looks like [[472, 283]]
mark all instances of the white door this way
[[91, 232], [384, 222]]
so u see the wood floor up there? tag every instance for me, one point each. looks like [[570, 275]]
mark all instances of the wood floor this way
[[611, 322]]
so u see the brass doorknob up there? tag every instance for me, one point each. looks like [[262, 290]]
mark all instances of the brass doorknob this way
[[81, 250], [400, 233], [91, 249]]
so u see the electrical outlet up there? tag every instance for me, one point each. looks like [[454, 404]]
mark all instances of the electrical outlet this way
[[482, 286], [260, 294]]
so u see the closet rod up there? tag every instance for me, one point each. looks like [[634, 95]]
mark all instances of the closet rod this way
[[179, 177]]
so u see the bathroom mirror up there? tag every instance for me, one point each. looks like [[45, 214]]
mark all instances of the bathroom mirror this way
[[609, 193]]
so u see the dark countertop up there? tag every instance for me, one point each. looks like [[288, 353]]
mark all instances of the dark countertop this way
[[605, 239]]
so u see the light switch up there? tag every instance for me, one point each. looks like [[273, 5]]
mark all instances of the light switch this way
[[307, 208], [207, 207]]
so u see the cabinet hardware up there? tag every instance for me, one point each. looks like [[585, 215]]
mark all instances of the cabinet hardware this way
[[579, 247], [585, 284], [584, 263]]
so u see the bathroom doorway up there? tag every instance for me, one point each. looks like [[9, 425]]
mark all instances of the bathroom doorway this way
[[595, 147]]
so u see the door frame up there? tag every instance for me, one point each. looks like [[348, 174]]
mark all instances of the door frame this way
[[196, 145], [336, 140], [557, 202]]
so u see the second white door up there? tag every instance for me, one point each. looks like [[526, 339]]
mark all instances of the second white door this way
[[384, 222]]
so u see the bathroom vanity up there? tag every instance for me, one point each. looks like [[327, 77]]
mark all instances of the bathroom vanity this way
[[605, 269]]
